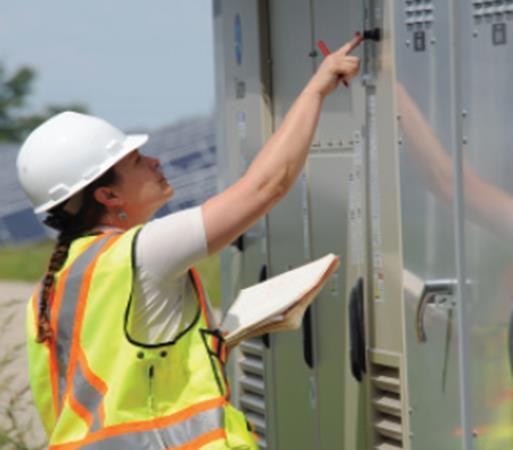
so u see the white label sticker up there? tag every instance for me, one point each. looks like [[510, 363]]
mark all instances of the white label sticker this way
[[242, 128]]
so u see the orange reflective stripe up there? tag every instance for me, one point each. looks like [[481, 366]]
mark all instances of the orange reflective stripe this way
[[52, 344], [203, 303], [144, 425], [35, 304], [215, 339], [204, 439], [94, 379], [54, 374], [79, 316], [57, 299], [81, 411], [201, 294]]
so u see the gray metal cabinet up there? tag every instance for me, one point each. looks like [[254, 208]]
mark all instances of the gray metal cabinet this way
[[409, 180]]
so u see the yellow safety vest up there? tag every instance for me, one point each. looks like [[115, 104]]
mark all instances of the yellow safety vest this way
[[96, 388]]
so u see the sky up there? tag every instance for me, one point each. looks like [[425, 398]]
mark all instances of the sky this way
[[138, 64]]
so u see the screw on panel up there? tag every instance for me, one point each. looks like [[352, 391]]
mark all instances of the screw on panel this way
[[433, 41], [408, 43], [475, 33], [465, 140], [464, 113]]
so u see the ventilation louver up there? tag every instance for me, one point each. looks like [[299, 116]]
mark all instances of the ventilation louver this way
[[387, 405], [252, 386]]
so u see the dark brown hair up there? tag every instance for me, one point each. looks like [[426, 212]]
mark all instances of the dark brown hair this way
[[70, 227]]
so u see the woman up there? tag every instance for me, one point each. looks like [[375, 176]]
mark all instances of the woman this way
[[123, 350]]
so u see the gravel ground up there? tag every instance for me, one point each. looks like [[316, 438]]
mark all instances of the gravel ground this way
[[16, 410]]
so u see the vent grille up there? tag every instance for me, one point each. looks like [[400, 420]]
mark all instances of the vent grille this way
[[419, 14], [388, 410], [252, 386]]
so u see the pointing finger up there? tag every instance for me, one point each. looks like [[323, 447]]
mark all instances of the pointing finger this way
[[352, 44]]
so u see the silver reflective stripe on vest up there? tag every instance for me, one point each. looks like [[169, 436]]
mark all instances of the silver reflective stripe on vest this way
[[87, 395], [68, 309], [172, 436]]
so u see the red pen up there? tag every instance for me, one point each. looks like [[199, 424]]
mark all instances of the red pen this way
[[325, 51]]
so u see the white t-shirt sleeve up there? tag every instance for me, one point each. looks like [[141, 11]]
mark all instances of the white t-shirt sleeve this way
[[163, 298], [169, 246]]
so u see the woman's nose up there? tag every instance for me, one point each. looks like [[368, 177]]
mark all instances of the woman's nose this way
[[153, 162]]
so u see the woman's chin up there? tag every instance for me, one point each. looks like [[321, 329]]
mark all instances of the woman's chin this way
[[169, 191]]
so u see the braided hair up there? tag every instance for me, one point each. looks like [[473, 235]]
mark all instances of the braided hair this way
[[70, 227]]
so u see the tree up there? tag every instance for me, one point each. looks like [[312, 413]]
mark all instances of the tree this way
[[15, 90]]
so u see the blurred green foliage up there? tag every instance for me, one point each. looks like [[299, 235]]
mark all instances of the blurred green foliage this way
[[15, 90]]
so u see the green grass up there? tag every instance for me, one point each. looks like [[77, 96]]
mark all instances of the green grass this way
[[28, 263], [24, 262]]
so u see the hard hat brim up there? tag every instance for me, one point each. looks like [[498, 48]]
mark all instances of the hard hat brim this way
[[130, 143]]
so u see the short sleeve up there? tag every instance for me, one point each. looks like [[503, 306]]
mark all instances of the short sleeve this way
[[167, 247]]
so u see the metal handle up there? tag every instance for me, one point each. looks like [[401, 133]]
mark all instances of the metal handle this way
[[434, 292], [357, 331], [239, 243], [308, 351], [262, 276]]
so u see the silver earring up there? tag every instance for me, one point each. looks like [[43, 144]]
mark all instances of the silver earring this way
[[122, 215]]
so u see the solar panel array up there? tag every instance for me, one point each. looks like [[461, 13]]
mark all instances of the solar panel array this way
[[188, 158]]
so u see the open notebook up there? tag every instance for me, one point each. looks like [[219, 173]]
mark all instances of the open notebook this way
[[277, 303]]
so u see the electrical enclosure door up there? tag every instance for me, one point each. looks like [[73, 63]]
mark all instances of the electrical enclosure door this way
[[309, 365], [424, 98], [293, 380], [487, 106], [328, 179], [428, 125], [423, 59]]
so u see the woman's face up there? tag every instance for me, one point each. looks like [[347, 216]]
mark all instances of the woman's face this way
[[142, 187]]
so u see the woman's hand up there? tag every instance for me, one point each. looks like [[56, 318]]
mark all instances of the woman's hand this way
[[337, 66]]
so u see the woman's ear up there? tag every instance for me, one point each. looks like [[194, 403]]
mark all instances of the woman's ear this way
[[106, 196]]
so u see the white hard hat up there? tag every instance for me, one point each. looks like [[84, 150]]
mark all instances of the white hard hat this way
[[68, 152]]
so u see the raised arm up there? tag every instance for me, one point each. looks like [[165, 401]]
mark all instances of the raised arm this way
[[278, 164]]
